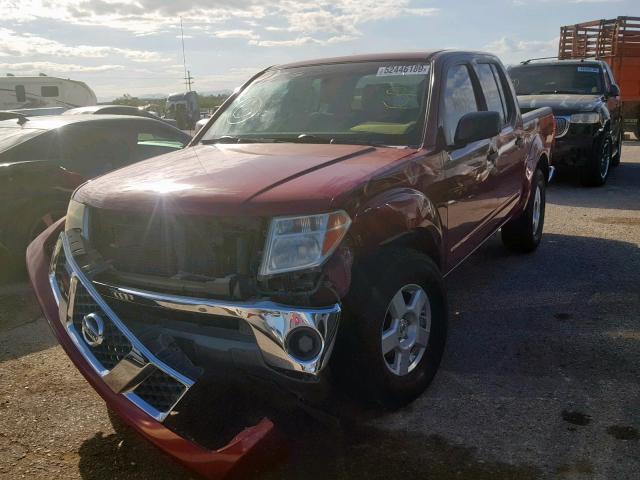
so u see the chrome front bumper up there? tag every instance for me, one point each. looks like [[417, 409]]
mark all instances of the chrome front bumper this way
[[271, 323]]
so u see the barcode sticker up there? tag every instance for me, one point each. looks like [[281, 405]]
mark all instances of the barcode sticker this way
[[418, 69], [589, 69]]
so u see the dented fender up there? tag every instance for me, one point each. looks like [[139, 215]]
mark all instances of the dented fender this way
[[396, 215]]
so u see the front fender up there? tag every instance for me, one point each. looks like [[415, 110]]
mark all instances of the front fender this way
[[396, 216]]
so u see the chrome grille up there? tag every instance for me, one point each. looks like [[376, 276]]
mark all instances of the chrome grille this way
[[562, 126], [169, 245], [160, 391], [61, 276], [156, 394], [115, 346]]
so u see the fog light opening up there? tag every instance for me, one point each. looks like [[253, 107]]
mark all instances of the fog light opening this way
[[304, 343]]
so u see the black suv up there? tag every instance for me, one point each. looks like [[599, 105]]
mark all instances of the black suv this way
[[585, 101]]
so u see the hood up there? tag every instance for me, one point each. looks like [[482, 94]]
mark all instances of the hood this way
[[560, 103], [237, 179]]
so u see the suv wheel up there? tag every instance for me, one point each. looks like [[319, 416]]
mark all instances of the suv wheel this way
[[392, 339], [596, 172], [523, 234], [616, 157]]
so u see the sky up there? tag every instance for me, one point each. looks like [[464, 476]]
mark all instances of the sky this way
[[120, 47]]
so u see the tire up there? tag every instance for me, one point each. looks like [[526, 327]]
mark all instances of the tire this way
[[29, 224], [524, 233], [615, 159], [414, 338], [596, 172]]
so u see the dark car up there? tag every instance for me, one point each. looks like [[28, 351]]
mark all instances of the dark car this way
[[320, 207], [117, 110], [585, 100], [44, 159]]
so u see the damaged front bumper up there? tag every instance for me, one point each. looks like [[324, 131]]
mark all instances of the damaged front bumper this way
[[144, 384]]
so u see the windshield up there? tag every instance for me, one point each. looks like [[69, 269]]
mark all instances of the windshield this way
[[12, 136], [361, 103], [568, 79]]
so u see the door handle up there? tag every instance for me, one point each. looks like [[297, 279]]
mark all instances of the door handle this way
[[492, 156]]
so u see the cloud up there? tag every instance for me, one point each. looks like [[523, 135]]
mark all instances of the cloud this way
[[513, 50], [328, 18], [247, 34], [296, 42], [34, 68], [21, 45]]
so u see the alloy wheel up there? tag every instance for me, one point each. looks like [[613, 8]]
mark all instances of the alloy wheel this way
[[537, 209], [605, 159], [406, 329]]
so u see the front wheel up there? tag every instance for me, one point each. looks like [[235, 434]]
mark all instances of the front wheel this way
[[617, 155], [596, 171], [393, 336], [523, 234]]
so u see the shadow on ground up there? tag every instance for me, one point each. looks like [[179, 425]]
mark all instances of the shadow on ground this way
[[619, 193], [22, 328], [125, 456]]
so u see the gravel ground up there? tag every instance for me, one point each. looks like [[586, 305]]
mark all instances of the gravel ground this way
[[539, 379]]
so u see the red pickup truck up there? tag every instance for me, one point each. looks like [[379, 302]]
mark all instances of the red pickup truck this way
[[306, 229]]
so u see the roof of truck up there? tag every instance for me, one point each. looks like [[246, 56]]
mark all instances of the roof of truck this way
[[573, 61], [373, 57]]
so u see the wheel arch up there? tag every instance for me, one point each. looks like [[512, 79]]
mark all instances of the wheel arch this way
[[543, 164], [399, 218]]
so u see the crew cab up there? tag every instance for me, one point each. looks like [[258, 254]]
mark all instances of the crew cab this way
[[305, 231], [585, 100]]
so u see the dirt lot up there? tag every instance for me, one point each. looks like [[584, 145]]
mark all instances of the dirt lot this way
[[539, 380]]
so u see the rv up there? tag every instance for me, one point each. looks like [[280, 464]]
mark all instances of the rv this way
[[43, 91]]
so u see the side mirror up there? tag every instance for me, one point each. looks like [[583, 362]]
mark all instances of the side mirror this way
[[476, 126], [614, 91]]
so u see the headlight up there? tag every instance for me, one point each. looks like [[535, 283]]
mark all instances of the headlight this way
[[592, 117], [298, 243], [76, 217]]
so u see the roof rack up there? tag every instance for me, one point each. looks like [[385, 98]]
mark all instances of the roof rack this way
[[22, 119], [526, 62], [582, 59]]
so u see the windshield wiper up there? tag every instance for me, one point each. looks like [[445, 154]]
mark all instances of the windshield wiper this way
[[223, 139], [302, 138], [556, 92], [309, 138], [232, 139]]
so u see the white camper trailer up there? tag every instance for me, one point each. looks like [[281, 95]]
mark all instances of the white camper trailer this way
[[43, 91]]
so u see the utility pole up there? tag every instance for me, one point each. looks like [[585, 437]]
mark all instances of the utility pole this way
[[188, 79]]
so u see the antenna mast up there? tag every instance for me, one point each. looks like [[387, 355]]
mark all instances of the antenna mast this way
[[188, 79]]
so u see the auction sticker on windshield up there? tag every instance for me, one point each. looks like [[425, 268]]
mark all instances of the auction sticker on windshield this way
[[418, 69], [588, 69]]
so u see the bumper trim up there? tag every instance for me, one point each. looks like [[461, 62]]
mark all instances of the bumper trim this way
[[255, 447], [271, 322]]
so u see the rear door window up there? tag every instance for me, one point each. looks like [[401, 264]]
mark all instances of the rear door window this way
[[491, 90], [30, 145], [505, 92], [459, 98]]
